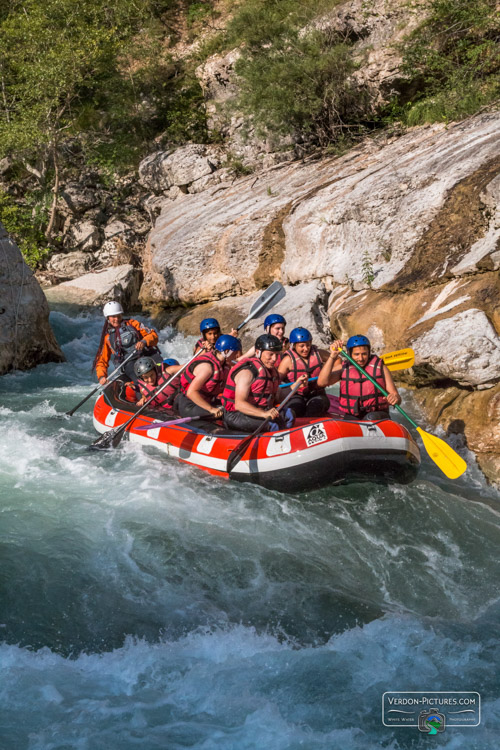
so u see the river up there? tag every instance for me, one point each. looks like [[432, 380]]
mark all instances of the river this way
[[145, 604]]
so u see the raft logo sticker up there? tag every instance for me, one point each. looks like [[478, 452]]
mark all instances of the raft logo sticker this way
[[431, 711], [314, 434]]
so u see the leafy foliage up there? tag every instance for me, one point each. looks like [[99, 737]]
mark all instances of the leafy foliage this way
[[94, 79], [294, 76], [453, 61], [70, 68], [25, 224], [301, 86]]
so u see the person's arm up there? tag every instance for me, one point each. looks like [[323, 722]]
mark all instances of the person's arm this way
[[249, 353], [332, 369], [102, 363], [393, 396], [284, 368], [202, 373], [172, 369], [243, 381], [149, 335]]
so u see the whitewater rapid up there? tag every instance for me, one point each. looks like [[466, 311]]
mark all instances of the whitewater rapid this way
[[147, 604]]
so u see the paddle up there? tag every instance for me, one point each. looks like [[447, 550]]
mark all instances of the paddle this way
[[400, 360], [171, 422], [112, 438], [266, 301], [236, 454], [450, 463], [111, 379]]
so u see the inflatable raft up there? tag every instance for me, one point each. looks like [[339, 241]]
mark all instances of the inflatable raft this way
[[313, 453]]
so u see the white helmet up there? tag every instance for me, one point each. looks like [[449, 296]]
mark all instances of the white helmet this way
[[112, 308]]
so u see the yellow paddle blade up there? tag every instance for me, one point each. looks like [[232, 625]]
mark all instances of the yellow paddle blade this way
[[400, 360], [450, 463]]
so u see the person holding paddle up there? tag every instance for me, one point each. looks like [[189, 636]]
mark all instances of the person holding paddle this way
[[203, 380], [303, 357], [358, 395], [251, 389], [119, 337], [151, 376], [274, 324], [210, 332]]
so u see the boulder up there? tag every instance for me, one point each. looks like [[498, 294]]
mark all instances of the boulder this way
[[119, 283], [370, 219], [210, 180], [79, 198], [181, 167], [84, 235], [26, 338], [464, 348], [66, 266]]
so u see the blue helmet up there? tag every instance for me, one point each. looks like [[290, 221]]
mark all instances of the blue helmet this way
[[228, 343], [299, 335], [208, 323], [272, 319], [168, 362], [357, 341]]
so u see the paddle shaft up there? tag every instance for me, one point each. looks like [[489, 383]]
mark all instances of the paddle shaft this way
[[120, 430], [236, 454], [172, 422], [103, 386], [115, 435], [377, 385]]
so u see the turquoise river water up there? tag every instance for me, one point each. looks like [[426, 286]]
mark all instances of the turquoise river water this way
[[145, 604]]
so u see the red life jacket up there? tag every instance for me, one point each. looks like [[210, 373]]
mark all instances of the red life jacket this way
[[357, 395], [215, 384], [263, 389], [279, 359], [310, 366], [166, 397]]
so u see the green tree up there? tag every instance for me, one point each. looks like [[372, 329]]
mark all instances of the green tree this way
[[56, 59]]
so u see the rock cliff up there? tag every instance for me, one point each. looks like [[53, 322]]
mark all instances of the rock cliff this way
[[403, 233], [26, 338]]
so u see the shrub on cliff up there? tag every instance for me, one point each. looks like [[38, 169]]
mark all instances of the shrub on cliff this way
[[294, 77], [454, 59]]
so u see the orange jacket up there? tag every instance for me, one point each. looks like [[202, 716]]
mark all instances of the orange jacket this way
[[149, 336]]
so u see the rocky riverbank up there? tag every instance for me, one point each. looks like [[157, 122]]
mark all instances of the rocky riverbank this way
[[399, 239]]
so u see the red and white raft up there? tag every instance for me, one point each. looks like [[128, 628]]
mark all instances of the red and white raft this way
[[314, 453]]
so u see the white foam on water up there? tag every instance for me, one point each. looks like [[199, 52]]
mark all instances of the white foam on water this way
[[240, 604], [236, 688]]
